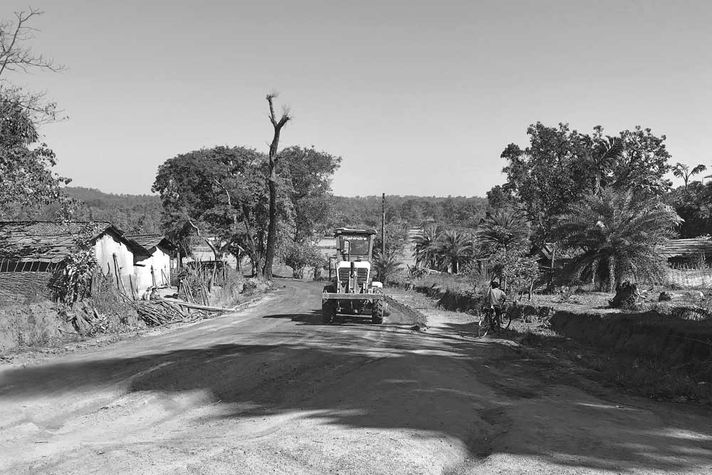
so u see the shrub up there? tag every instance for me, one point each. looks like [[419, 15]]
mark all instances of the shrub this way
[[616, 234]]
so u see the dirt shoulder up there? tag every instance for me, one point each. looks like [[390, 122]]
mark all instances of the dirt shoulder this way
[[272, 389], [558, 407], [28, 354]]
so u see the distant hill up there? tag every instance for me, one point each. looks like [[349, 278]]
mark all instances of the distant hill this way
[[131, 213]]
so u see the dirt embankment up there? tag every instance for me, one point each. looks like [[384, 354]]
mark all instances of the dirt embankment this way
[[675, 335], [33, 324], [47, 325], [681, 343]]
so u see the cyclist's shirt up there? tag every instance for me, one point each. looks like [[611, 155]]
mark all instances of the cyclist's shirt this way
[[495, 298]]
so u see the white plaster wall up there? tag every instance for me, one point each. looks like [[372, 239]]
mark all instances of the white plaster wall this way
[[105, 248], [161, 263], [142, 272], [162, 266]]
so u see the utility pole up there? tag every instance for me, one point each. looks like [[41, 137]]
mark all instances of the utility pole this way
[[383, 226]]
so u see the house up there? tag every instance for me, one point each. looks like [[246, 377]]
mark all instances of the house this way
[[687, 251], [157, 269], [31, 250], [203, 254]]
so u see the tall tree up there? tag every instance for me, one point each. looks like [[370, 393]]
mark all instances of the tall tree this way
[[277, 125], [683, 171], [503, 230], [310, 172], [27, 182], [425, 247], [220, 193], [561, 165], [503, 239], [548, 175], [454, 249], [642, 163], [694, 205]]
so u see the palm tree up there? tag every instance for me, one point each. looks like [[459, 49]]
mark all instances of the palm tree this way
[[503, 237], [454, 248], [604, 151], [386, 266], [425, 247], [503, 230], [683, 171], [616, 235]]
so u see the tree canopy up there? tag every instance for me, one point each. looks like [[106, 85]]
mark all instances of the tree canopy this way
[[27, 181], [560, 166], [221, 195], [310, 172]]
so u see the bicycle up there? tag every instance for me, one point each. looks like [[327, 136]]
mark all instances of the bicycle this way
[[491, 322]]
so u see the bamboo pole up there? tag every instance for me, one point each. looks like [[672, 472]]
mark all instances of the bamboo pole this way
[[116, 272], [197, 306], [133, 292]]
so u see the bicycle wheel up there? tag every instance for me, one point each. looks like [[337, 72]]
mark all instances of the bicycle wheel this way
[[484, 326], [506, 320]]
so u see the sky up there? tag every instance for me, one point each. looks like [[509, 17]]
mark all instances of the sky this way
[[418, 98]]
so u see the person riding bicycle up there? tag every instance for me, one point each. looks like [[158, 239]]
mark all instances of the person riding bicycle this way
[[495, 299]]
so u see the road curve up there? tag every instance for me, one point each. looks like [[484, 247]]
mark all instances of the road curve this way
[[271, 389]]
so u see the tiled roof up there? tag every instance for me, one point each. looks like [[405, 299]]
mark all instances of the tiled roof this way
[[149, 241], [687, 247], [46, 241]]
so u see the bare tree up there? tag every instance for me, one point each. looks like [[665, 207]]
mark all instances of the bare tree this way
[[17, 56], [277, 124]]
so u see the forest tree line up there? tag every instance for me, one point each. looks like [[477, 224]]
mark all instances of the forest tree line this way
[[142, 213]]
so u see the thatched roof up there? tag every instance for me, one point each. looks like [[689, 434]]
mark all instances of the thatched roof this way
[[52, 242], [687, 247]]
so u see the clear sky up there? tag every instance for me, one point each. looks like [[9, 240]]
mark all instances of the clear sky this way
[[417, 97]]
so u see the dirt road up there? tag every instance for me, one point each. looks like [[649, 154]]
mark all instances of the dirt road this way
[[271, 390]]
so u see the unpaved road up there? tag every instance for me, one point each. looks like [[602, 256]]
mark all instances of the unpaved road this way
[[271, 390]]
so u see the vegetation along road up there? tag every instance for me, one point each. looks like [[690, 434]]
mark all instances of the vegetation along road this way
[[271, 389]]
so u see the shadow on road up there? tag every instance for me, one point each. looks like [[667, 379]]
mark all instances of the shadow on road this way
[[472, 390], [315, 318]]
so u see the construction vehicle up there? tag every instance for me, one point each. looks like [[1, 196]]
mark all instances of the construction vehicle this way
[[353, 289]]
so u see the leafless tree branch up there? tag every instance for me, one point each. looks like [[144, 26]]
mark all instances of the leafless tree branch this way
[[13, 55]]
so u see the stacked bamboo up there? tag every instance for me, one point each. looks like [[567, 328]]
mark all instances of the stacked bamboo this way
[[162, 311]]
